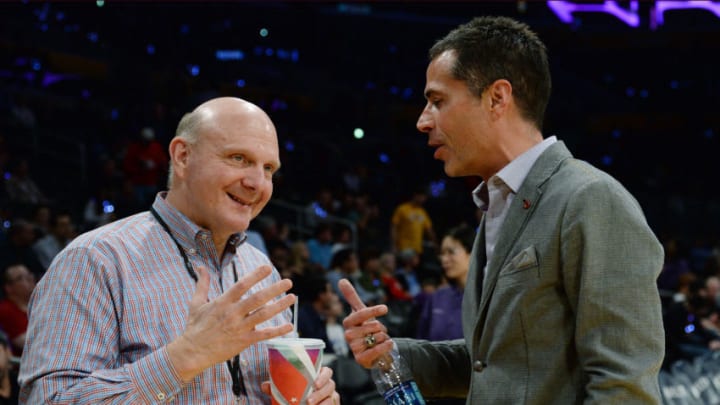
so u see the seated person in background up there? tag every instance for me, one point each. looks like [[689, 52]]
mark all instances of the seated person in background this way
[[20, 186], [370, 279], [674, 266], [406, 273], [320, 245], [171, 304], [440, 317], [393, 288], [299, 262], [345, 265], [319, 311], [8, 374], [689, 329], [61, 232], [18, 284], [17, 248]]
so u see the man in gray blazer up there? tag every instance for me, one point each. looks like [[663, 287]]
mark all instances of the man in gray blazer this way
[[561, 304]]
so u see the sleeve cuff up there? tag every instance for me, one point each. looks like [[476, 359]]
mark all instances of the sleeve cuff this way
[[155, 377]]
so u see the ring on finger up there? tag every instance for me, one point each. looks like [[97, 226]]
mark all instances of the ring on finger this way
[[370, 341]]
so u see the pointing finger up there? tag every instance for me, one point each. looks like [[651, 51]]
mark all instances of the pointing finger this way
[[351, 296]]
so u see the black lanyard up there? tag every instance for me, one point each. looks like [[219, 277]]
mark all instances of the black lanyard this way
[[238, 385]]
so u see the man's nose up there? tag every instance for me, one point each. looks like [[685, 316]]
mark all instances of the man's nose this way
[[425, 122], [253, 177]]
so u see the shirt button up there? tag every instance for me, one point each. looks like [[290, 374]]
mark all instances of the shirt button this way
[[478, 366], [161, 396], [191, 251], [244, 362]]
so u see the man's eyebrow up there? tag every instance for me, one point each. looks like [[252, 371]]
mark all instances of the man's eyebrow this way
[[430, 92]]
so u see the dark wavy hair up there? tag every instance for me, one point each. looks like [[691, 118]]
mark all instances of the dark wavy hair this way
[[492, 48], [463, 234]]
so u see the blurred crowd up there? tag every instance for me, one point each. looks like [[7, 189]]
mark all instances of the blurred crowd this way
[[403, 253]]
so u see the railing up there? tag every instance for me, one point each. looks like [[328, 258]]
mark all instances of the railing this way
[[296, 216]]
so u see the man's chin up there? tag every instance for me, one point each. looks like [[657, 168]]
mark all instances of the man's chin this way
[[450, 170]]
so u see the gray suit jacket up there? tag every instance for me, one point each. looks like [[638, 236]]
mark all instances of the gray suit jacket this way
[[569, 310]]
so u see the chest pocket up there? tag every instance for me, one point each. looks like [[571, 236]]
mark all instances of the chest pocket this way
[[521, 267]]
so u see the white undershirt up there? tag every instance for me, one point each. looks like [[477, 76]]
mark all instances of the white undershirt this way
[[495, 195]]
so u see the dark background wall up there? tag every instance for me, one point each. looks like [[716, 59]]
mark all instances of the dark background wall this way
[[641, 103]]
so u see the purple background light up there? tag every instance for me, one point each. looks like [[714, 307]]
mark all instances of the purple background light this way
[[565, 9], [661, 7]]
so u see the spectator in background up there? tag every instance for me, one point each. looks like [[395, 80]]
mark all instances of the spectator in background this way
[[410, 224], [23, 116], [100, 208], [355, 180], [370, 279], [107, 175], [342, 237], [367, 220], [18, 284], [406, 273], [41, 220], [319, 311], [345, 265], [125, 202], [674, 266], [255, 238], [18, 248], [299, 262], [321, 245], [688, 324], [323, 206], [8, 372], [279, 255], [267, 227], [145, 164], [22, 190], [394, 290], [62, 231], [440, 317]]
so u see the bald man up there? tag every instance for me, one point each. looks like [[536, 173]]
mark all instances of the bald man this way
[[171, 304]]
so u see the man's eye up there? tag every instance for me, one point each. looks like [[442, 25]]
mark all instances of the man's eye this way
[[238, 158]]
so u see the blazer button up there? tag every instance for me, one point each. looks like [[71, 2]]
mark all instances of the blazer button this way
[[478, 366]]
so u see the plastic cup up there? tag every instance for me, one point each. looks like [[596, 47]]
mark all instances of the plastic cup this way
[[294, 364]]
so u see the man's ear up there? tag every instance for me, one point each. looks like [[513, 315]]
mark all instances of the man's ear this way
[[179, 152], [500, 93]]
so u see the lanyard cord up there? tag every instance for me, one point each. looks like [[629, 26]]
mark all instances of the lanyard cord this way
[[238, 385], [188, 264]]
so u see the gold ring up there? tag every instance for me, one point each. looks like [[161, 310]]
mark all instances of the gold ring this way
[[370, 341], [335, 401]]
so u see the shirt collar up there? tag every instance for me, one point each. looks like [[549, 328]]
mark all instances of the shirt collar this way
[[514, 173], [185, 230]]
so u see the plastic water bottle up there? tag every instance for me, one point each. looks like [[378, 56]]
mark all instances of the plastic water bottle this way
[[394, 382]]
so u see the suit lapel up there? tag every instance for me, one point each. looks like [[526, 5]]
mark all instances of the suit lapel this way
[[521, 209], [477, 262]]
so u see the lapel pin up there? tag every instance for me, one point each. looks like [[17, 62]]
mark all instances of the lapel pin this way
[[526, 204]]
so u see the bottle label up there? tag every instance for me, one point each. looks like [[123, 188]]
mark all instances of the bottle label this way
[[406, 393]]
